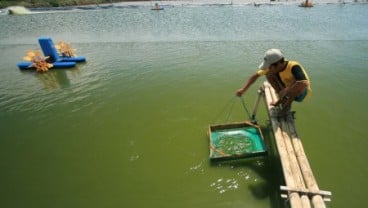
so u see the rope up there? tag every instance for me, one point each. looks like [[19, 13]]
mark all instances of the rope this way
[[231, 110], [245, 107], [230, 104], [229, 107]]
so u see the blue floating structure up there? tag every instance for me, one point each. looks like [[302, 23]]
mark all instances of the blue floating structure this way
[[236, 140], [48, 49], [27, 65]]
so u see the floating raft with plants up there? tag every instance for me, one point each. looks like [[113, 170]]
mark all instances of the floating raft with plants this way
[[301, 189]]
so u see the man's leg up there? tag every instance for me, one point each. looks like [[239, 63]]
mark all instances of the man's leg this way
[[274, 81], [292, 95]]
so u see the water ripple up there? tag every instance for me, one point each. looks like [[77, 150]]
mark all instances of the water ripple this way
[[223, 185]]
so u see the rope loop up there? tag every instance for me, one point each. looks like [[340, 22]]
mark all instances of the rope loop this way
[[228, 109]]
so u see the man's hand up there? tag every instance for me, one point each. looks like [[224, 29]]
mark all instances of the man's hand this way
[[282, 97], [240, 92]]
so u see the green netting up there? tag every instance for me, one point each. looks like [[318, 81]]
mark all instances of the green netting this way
[[236, 142]]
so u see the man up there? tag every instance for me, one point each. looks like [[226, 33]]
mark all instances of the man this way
[[288, 78]]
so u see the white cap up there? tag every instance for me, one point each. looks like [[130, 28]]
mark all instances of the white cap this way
[[271, 56]]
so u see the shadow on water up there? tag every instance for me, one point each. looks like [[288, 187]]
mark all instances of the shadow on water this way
[[55, 78], [267, 167]]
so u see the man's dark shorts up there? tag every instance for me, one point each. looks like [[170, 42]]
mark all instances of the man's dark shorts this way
[[301, 97]]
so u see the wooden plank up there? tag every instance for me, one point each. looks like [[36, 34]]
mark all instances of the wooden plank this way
[[215, 127], [307, 191], [294, 166], [294, 197], [308, 176], [286, 196], [297, 174], [305, 201], [297, 171]]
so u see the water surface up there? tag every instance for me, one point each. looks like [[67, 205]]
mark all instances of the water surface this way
[[128, 127]]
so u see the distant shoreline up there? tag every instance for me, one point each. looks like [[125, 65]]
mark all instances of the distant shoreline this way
[[56, 3], [111, 3]]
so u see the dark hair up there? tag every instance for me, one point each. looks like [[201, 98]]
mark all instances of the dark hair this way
[[279, 61]]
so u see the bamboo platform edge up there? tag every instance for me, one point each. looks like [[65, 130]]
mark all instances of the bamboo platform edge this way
[[301, 188]]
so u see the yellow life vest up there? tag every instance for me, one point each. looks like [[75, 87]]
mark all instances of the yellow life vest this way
[[287, 76]]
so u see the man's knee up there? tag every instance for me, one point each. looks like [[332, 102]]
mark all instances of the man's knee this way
[[297, 91], [273, 80]]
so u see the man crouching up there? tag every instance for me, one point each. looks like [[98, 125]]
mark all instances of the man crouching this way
[[288, 78]]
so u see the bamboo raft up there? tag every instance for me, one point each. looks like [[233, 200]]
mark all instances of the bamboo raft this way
[[301, 188]]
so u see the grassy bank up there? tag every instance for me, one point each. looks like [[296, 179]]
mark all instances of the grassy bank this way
[[53, 3]]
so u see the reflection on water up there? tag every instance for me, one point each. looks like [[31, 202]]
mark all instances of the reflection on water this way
[[199, 168], [223, 185], [54, 79]]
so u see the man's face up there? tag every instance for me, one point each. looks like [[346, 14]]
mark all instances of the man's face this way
[[275, 67]]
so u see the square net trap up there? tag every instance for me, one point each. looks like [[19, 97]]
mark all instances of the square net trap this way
[[235, 140]]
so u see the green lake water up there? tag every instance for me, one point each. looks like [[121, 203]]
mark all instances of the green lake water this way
[[128, 128]]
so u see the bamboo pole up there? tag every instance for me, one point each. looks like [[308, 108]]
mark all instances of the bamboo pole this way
[[308, 176], [297, 171], [297, 174], [294, 197]]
